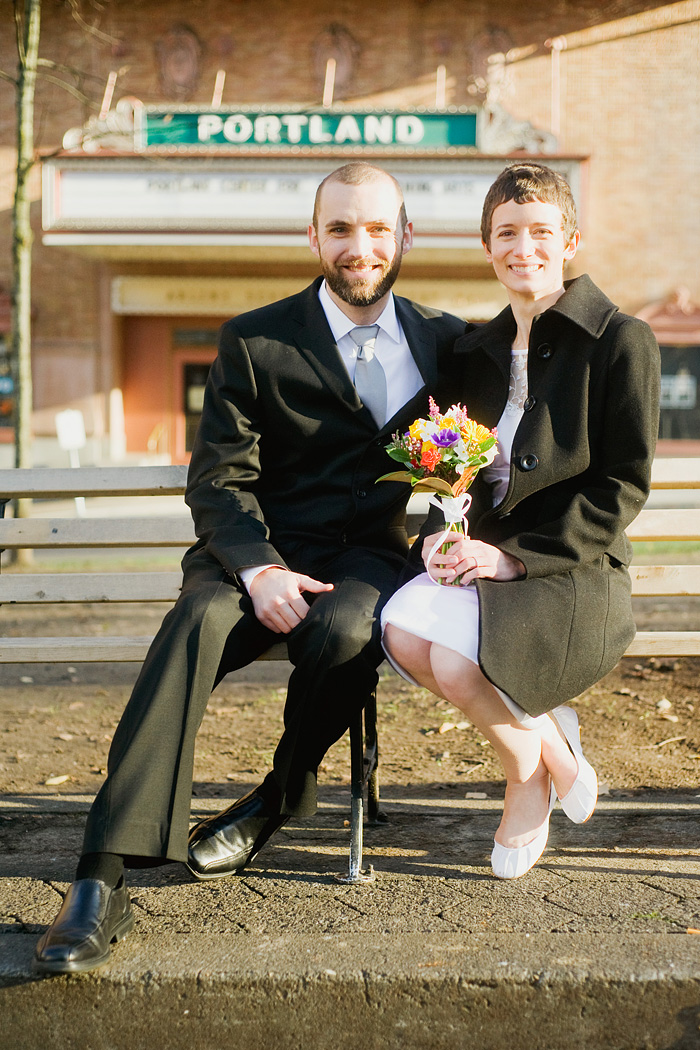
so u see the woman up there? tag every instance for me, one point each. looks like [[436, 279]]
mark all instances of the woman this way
[[542, 609]]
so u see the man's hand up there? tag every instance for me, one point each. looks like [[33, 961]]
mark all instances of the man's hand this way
[[276, 594], [471, 559]]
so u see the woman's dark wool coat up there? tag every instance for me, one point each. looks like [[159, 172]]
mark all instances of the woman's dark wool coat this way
[[580, 471]]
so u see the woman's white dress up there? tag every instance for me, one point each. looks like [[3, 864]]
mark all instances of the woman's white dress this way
[[450, 615]]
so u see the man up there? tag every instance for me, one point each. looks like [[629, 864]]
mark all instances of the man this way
[[295, 540]]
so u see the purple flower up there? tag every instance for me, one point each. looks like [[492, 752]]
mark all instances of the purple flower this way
[[445, 438]]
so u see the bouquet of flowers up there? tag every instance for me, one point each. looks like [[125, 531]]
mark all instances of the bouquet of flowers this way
[[442, 455]]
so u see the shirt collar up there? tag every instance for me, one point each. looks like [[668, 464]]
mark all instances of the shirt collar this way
[[341, 325]]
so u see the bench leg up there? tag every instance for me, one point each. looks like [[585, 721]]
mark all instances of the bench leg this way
[[363, 767], [371, 763]]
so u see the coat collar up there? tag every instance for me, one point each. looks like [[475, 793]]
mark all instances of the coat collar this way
[[582, 304], [315, 341], [585, 305]]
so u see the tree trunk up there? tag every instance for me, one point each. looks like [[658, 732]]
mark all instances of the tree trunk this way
[[28, 41]]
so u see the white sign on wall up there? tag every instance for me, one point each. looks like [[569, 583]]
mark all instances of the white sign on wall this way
[[679, 391], [81, 198]]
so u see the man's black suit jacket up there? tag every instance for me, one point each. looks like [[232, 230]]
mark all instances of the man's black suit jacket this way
[[286, 456]]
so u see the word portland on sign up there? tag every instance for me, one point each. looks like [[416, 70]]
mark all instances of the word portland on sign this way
[[158, 128]]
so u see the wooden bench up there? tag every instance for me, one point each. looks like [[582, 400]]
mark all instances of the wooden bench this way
[[675, 524], [153, 531]]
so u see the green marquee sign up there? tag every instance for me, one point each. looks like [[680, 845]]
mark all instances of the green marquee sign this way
[[306, 131]]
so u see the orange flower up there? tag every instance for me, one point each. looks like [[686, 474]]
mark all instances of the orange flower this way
[[430, 457]]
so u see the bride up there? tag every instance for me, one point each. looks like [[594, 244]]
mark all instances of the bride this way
[[542, 609]]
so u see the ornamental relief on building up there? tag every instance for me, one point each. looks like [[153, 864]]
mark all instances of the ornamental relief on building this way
[[674, 320], [491, 41], [178, 54], [113, 133], [336, 43]]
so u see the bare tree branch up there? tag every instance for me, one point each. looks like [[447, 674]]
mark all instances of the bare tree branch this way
[[19, 30], [93, 30], [8, 78], [79, 74], [74, 91]]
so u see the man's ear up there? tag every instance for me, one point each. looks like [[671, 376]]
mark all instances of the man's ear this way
[[572, 246], [407, 239], [313, 240]]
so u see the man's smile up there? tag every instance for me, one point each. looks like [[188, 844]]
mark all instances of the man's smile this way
[[362, 267]]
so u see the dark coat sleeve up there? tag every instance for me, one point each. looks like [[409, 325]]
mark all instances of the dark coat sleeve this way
[[580, 518], [225, 462]]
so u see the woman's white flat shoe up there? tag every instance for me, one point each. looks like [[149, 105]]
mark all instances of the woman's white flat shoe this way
[[580, 801], [512, 863]]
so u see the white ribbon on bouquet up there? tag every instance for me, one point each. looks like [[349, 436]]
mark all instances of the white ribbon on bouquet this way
[[455, 510]]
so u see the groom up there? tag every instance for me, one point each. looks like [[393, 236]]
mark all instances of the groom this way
[[295, 541]]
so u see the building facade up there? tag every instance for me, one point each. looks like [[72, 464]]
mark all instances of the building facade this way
[[181, 196]]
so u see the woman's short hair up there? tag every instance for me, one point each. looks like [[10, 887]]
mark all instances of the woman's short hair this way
[[526, 181]]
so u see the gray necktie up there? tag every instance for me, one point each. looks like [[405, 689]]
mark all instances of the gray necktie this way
[[370, 378]]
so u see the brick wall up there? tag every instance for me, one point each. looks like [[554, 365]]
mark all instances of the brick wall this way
[[628, 96]]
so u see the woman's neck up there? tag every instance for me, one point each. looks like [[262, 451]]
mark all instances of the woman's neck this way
[[525, 310]]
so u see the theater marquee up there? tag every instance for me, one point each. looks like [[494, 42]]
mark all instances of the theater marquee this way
[[243, 129]]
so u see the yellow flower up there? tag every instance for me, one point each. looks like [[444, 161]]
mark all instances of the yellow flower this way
[[472, 431]]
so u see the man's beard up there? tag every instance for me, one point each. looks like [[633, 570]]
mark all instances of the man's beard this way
[[363, 292]]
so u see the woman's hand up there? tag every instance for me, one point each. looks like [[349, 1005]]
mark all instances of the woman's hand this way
[[470, 559]]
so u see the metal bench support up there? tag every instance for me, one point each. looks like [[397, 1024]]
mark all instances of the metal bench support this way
[[364, 771]]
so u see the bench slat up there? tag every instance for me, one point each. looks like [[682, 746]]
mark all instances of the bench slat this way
[[31, 588], [67, 482], [673, 524], [680, 580], [675, 473], [665, 643], [125, 650], [90, 587], [88, 650], [72, 650], [176, 530], [38, 533]]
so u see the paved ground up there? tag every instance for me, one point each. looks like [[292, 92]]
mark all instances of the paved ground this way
[[598, 947]]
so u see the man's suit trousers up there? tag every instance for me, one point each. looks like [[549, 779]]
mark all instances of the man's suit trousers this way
[[143, 808]]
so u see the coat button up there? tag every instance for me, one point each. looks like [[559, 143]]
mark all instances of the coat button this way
[[530, 403], [528, 462], [361, 494], [545, 351]]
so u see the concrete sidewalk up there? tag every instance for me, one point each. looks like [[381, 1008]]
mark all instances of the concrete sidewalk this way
[[590, 949]]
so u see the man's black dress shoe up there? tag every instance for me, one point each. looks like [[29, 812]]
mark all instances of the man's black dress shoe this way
[[91, 917], [223, 844]]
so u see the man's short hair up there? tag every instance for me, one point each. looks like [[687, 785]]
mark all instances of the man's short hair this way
[[524, 182], [356, 173]]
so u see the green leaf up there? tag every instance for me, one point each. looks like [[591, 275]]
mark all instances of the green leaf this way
[[397, 475], [399, 454], [433, 485]]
